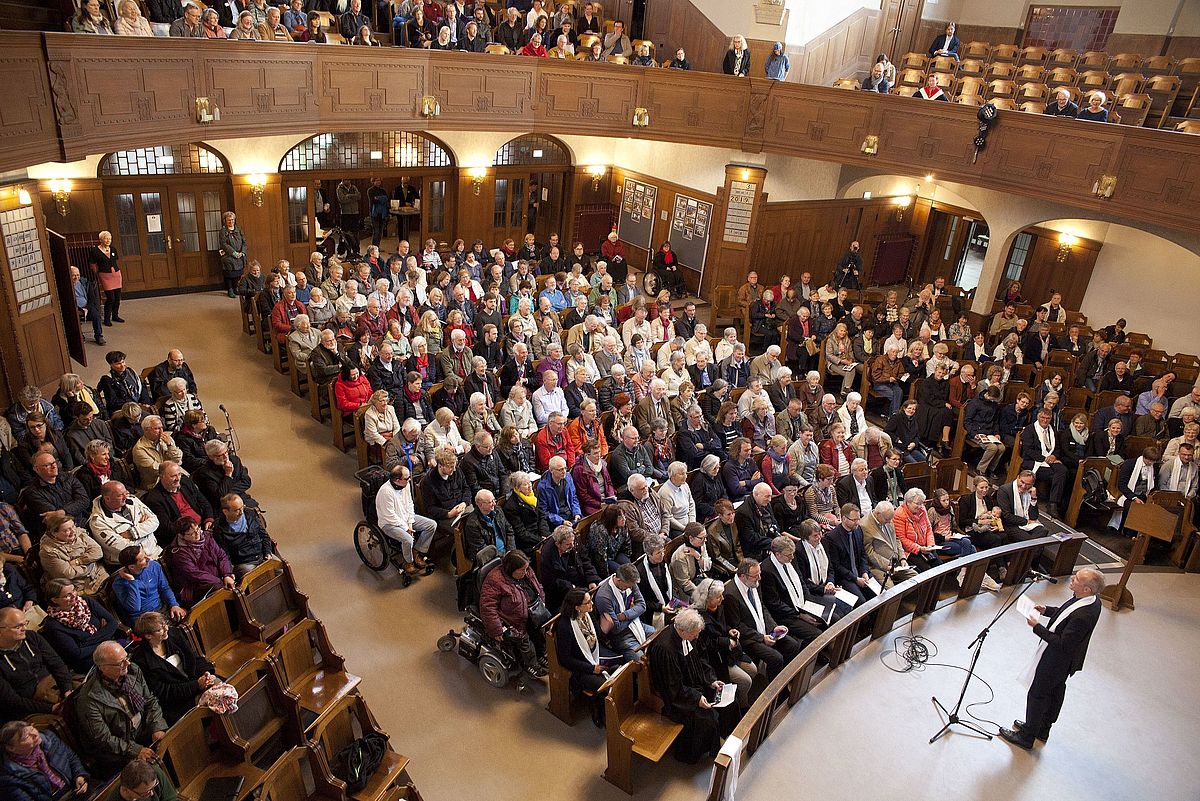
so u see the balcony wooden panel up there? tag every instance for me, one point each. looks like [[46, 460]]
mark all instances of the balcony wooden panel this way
[[27, 117], [348, 86], [88, 95], [471, 93]]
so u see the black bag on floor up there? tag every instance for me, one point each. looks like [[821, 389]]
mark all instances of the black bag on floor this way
[[358, 761]]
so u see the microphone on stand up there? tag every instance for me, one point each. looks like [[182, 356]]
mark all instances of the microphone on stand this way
[[1037, 575]]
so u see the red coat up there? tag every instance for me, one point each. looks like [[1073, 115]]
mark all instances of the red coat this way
[[281, 323], [547, 446], [351, 394], [610, 250], [502, 602], [829, 455]]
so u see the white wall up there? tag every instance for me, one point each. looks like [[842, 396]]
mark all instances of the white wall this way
[[803, 20], [1133, 278], [1137, 16], [1189, 19]]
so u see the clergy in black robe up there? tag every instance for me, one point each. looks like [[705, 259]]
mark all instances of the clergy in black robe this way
[[687, 685]]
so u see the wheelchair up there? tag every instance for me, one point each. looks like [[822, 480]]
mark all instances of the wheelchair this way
[[374, 548], [496, 661]]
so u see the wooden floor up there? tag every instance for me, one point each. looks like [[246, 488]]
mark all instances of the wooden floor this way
[[469, 740]]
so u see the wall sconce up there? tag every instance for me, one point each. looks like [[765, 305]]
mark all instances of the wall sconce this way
[[258, 182], [60, 190], [23, 197], [597, 172], [1065, 243], [641, 117], [1105, 186], [477, 175], [902, 203], [870, 145], [206, 111], [430, 107]]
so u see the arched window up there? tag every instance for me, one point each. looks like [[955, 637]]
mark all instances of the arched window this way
[[190, 159], [533, 150], [366, 151]]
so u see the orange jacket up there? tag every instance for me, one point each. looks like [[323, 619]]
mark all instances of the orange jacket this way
[[913, 531]]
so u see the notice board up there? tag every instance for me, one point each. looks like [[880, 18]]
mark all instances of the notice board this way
[[691, 222], [635, 223]]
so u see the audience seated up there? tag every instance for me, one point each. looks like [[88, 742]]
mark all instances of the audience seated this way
[[75, 624], [33, 678], [119, 520], [118, 717], [140, 586]]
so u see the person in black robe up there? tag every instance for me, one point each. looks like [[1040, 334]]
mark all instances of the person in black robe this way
[[688, 687]]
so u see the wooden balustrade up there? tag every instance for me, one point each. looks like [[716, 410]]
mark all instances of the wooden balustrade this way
[[83, 95], [875, 619]]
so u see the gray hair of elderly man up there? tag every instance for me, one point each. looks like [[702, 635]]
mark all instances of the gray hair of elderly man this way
[[635, 481], [214, 446], [688, 621], [1092, 578], [654, 542], [482, 495], [782, 544], [562, 532]]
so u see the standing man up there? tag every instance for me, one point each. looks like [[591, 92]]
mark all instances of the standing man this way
[[849, 270], [379, 208], [1062, 651], [87, 303], [348, 198]]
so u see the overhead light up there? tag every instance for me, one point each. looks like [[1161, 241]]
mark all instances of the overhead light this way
[[866, 195], [902, 203], [929, 177], [23, 197]]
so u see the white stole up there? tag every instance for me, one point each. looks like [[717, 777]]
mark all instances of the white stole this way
[[1031, 670], [1138, 467], [791, 581], [1021, 502], [1048, 434], [1174, 483], [755, 608], [634, 624], [658, 594], [590, 654], [818, 563]]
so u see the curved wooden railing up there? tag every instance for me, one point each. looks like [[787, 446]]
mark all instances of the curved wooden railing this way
[[72, 95], [872, 620]]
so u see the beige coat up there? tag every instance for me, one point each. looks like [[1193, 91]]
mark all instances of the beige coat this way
[[78, 561], [147, 457]]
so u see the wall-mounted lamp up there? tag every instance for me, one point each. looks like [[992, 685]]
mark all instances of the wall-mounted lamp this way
[[597, 172], [60, 190], [641, 117], [430, 107], [870, 145], [902, 203], [1105, 186], [23, 197], [1065, 243], [258, 182], [477, 175], [207, 111]]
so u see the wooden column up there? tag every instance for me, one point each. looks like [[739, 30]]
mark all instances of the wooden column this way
[[734, 227], [265, 224], [33, 347]]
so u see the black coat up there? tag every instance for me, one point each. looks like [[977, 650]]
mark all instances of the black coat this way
[[560, 572], [67, 493], [215, 485], [840, 544], [847, 492], [756, 526], [73, 645], [167, 512], [440, 495], [691, 446], [483, 472], [176, 688], [1066, 648], [706, 491], [529, 524], [477, 536], [244, 548], [16, 590], [877, 481]]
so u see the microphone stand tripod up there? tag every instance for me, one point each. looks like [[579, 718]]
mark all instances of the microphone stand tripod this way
[[952, 715]]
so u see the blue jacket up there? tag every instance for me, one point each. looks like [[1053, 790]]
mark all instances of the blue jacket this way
[[19, 783], [148, 592], [548, 499]]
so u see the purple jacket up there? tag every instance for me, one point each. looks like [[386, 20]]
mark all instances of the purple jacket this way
[[590, 489], [197, 568]]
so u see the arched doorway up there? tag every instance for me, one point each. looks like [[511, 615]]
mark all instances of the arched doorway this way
[[531, 187], [313, 168], [164, 207]]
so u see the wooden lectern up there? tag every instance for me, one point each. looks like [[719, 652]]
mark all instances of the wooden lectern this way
[[1148, 520]]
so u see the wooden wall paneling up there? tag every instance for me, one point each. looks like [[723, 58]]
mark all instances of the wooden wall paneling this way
[[86, 213], [672, 24], [274, 82], [1043, 273], [265, 226], [930, 29], [142, 93], [349, 86], [728, 261], [582, 194], [474, 212], [1183, 47], [28, 133], [846, 50], [35, 15], [568, 101], [33, 344]]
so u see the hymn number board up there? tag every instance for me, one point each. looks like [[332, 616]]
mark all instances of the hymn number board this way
[[23, 247]]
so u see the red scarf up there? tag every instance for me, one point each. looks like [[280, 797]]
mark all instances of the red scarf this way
[[102, 473], [78, 616]]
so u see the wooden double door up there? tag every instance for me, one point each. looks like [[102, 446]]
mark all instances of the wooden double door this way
[[522, 197], [166, 232]]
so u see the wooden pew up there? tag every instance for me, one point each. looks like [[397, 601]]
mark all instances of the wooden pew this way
[[286, 780], [336, 421], [952, 476], [360, 436], [559, 678], [262, 332], [310, 671], [348, 720], [1073, 506], [279, 355], [318, 397], [267, 720], [270, 599], [191, 760], [298, 378], [224, 634], [634, 727]]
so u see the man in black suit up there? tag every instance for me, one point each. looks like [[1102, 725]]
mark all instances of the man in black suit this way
[[1136, 479], [519, 370], [758, 633], [1041, 452], [1065, 643], [856, 490], [1073, 343], [756, 523], [1018, 509], [848, 554], [782, 591]]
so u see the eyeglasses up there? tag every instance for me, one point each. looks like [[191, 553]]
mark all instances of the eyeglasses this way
[[122, 663], [18, 626]]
